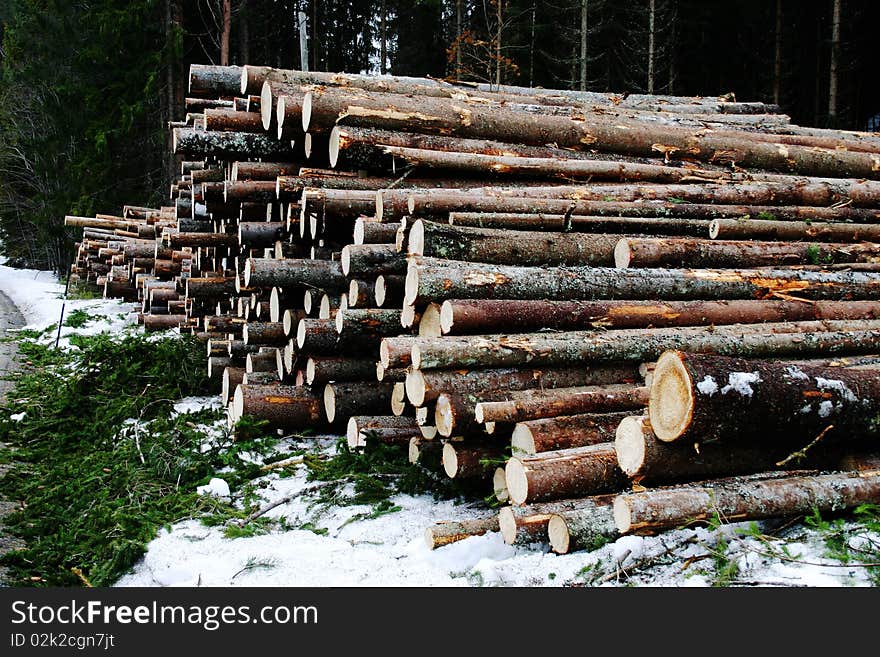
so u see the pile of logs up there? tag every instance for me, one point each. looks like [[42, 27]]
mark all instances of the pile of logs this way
[[568, 296]]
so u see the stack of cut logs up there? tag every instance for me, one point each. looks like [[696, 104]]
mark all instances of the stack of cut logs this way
[[568, 296]]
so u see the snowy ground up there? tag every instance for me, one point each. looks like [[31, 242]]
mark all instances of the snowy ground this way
[[390, 550]]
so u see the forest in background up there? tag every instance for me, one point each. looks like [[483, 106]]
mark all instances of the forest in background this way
[[87, 88]]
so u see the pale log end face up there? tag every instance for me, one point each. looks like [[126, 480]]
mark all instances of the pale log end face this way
[[429, 538], [415, 356], [507, 525], [622, 515], [307, 145], [279, 363], [266, 105], [224, 389], [429, 323], [329, 402], [522, 441], [416, 243], [301, 334], [517, 482], [629, 445], [411, 286], [714, 228], [287, 322], [310, 371], [428, 432], [248, 360], [557, 534], [446, 318], [345, 259], [352, 434], [671, 401], [622, 254], [339, 319], [415, 387], [379, 291], [407, 316], [334, 150], [413, 451], [499, 485], [380, 206], [398, 399], [444, 419], [237, 406], [306, 111], [450, 460]]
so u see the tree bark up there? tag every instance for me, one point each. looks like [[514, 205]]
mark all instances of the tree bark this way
[[570, 224], [510, 248], [702, 397], [564, 432], [588, 526], [262, 170], [232, 121], [834, 62], [214, 81], [434, 280], [321, 274], [264, 334], [791, 339], [372, 259], [444, 533], [225, 32], [761, 229], [285, 407], [565, 473], [344, 399], [424, 387], [202, 143], [389, 429], [464, 316], [535, 404], [655, 510], [521, 525], [680, 252], [464, 460], [324, 369]]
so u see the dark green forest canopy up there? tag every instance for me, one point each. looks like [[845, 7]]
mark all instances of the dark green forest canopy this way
[[87, 88]]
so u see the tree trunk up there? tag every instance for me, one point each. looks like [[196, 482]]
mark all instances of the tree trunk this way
[[383, 38], [565, 473], [535, 404], [434, 280], [652, 14], [201, 143], [760, 229], [791, 339], [583, 62], [564, 432], [655, 510], [208, 81], [463, 316], [777, 59], [347, 398], [372, 259], [641, 252], [367, 325], [834, 62], [701, 397], [321, 274], [569, 224], [225, 32]]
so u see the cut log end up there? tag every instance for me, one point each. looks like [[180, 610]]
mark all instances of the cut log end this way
[[339, 319], [429, 323], [411, 286], [379, 290], [450, 460], [287, 320], [507, 525], [557, 533], [416, 245], [622, 515], [622, 254], [334, 149], [330, 402], [444, 416], [714, 228], [345, 259], [306, 111], [307, 145], [517, 482], [398, 399], [266, 105], [248, 269], [671, 401], [353, 434], [301, 334], [446, 318], [415, 387], [522, 441], [629, 444], [499, 485], [415, 356], [236, 409]]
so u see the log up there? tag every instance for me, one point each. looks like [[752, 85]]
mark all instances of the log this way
[[525, 223], [181, 240], [510, 248], [201, 143], [521, 525], [766, 229], [389, 290], [284, 407], [588, 526], [499, 486], [321, 274], [368, 325], [655, 510], [565, 473], [687, 252], [214, 81], [437, 280], [390, 429], [262, 170], [251, 191], [564, 432], [444, 533], [260, 234], [790, 339], [317, 337], [232, 378], [269, 334], [324, 369], [163, 322], [224, 119], [462, 460], [344, 399], [701, 397], [360, 293], [372, 259], [373, 232], [535, 404], [226, 324], [464, 316], [216, 288], [426, 386]]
